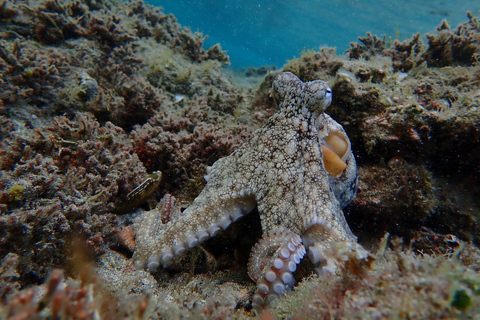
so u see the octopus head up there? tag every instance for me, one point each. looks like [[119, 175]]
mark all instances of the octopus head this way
[[315, 95]]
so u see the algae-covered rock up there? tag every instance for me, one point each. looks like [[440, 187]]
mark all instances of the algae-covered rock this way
[[95, 96]]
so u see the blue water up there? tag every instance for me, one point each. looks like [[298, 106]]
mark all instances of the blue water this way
[[271, 32]]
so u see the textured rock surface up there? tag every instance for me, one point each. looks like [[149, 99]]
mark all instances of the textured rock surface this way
[[95, 96]]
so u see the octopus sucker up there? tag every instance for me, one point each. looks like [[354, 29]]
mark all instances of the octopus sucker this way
[[271, 263], [202, 235], [274, 244], [298, 170], [192, 241]]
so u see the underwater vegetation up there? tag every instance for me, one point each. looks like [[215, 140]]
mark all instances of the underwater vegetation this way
[[84, 120], [400, 286], [100, 97], [413, 117]]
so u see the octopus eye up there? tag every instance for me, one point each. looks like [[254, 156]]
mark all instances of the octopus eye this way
[[328, 96]]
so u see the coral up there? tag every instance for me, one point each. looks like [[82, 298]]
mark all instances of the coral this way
[[64, 298], [371, 46], [455, 47], [101, 42], [311, 63], [59, 181], [8, 276], [399, 285], [445, 48], [181, 146], [408, 54]]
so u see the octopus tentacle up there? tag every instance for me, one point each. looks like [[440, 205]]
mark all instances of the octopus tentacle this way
[[326, 245], [272, 262], [158, 244]]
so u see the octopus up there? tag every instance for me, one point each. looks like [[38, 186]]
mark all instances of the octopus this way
[[298, 171]]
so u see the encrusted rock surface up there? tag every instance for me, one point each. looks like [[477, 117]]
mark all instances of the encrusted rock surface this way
[[95, 96]]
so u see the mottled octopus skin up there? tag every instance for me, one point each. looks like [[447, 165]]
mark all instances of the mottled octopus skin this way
[[281, 171]]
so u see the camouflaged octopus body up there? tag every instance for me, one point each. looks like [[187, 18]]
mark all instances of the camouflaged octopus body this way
[[281, 171]]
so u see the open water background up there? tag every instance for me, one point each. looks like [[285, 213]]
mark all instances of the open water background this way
[[270, 32]]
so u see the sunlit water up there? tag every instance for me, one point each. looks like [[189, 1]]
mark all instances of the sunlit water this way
[[271, 32]]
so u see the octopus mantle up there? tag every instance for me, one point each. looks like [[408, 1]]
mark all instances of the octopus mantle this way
[[298, 170]]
